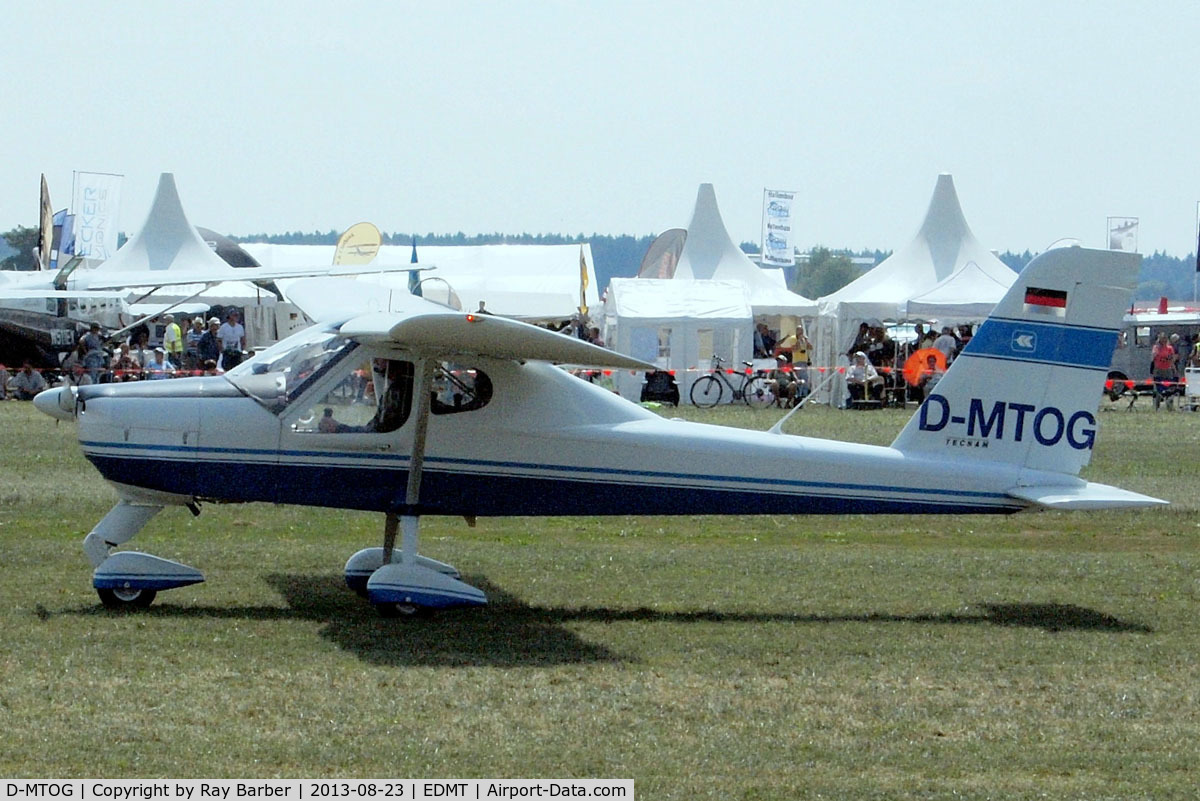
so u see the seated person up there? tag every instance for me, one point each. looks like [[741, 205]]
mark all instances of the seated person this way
[[27, 383], [159, 366], [931, 373], [862, 380], [328, 425], [786, 383]]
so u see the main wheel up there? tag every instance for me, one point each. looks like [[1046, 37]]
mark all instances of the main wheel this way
[[126, 598], [757, 394], [395, 610], [706, 392]]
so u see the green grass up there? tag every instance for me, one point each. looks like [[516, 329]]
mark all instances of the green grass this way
[[1049, 655]]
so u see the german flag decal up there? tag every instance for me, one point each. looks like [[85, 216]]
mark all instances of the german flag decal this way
[[1046, 298]]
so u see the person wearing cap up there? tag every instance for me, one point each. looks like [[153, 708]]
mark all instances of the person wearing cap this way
[[160, 366], [172, 339], [191, 351], [233, 340], [862, 379], [94, 357], [209, 347], [784, 383]]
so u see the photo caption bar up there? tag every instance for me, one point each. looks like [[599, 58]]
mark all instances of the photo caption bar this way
[[312, 789]]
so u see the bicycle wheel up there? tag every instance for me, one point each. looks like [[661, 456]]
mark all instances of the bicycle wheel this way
[[706, 392], [756, 393]]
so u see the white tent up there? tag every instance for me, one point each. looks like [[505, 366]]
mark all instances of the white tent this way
[[677, 325], [709, 254], [967, 295], [167, 241], [944, 266], [168, 245], [528, 282]]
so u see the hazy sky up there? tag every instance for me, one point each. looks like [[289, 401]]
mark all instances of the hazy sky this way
[[570, 117]]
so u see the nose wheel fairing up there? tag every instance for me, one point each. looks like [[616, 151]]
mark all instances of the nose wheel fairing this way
[[132, 570], [130, 579]]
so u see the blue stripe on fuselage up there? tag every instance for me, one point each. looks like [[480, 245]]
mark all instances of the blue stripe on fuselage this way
[[458, 491], [483, 469], [1044, 342]]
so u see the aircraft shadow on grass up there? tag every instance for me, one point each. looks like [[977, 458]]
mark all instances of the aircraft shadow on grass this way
[[510, 633]]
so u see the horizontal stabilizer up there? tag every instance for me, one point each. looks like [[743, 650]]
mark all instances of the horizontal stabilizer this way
[[1084, 496]]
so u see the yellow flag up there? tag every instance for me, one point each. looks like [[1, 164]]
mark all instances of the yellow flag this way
[[583, 282], [358, 245]]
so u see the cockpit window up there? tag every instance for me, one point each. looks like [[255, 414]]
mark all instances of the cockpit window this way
[[373, 399], [281, 372], [458, 388]]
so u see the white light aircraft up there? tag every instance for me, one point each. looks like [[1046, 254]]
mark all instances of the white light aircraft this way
[[472, 419]]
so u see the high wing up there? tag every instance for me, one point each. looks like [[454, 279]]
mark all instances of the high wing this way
[[374, 314], [217, 274], [444, 334]]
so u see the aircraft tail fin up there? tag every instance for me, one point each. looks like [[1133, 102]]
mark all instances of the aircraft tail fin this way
[[1026, 388]]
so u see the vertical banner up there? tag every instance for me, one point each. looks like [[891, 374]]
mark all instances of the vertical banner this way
[[97, 199], [1122, 234], [777, 249], [45, 228]]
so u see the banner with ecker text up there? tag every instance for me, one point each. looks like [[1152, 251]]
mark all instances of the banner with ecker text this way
[[1122, 234], [777, 248], [96, 202]]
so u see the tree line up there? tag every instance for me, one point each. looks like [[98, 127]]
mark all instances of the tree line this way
[[826, 271]]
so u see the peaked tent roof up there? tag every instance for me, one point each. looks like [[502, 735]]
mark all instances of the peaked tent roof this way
[[966, 295], [709, 254], [167, 241], [942, 246]]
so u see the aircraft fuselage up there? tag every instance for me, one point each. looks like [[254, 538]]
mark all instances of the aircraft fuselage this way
[[547, 443]]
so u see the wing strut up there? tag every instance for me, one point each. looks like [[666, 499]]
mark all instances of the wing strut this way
[[412, 585], [409, 521]]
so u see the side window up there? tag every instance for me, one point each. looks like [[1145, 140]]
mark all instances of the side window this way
[[375, 398], [459, 388]]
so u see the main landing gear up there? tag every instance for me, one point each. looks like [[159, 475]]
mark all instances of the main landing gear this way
[[399, 583], [412, 584]]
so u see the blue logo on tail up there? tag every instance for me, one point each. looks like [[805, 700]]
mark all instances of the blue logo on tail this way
[[1024, 341]]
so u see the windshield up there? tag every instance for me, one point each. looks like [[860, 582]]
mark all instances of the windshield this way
[[279, 373]]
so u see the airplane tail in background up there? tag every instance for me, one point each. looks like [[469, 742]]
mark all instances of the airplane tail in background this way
[[1026, 388]]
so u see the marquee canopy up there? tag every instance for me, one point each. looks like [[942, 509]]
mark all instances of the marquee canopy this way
[[709, 254]]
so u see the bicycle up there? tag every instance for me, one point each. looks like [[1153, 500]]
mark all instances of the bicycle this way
[[710, 389]]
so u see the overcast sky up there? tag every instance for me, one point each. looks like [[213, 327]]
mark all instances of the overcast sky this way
[[562, 117]]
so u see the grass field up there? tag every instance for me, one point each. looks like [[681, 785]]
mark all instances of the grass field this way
[[1049, 655]]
